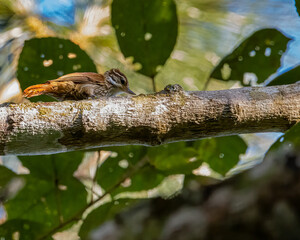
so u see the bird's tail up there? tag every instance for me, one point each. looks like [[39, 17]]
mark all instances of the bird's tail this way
[[37, 90]]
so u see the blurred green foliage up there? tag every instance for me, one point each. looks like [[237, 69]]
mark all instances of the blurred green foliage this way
[[6, 13]]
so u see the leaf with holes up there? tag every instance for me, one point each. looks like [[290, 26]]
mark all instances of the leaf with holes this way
[[256, 58], [221, 153], [47, 198], [288, 77], [44, 59], [146, 30]]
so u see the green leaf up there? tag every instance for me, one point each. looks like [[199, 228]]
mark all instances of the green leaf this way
[[27, 230], [297, 5], [112, 171], [7, 181], [290, 140], [146, 30], [259, 54], [115, 169], [44, 59], [174, 158], [56, 166], [51, 194], [5, 176], [146, 178], [103, 213], [288, 77], [221, 153]]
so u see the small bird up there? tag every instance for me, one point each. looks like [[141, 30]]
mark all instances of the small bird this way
[[82, 85]]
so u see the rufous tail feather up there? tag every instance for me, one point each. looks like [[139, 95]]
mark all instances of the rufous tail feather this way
[[36, 90]]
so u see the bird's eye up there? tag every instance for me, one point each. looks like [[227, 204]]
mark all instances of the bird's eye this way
[[122, 81]]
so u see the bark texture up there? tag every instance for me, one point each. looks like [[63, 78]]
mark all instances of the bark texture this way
[[168, 116]]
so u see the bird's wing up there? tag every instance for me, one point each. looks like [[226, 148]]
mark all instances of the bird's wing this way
[[81, 78]]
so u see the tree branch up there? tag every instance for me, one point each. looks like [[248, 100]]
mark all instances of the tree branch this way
[[168, 116]]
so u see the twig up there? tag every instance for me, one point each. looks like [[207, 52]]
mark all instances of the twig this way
[[153, 84]]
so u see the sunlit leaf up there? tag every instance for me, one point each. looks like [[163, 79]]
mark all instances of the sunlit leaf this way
[[259, 54], [221, 153], [103, 213], [146, 30], [290, 140], [44, 59], [48, 195], [288, 77]]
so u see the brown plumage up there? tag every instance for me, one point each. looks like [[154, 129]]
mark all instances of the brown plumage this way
[[82, 85]]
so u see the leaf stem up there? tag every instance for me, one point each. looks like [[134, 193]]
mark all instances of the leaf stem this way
[[153, 83]]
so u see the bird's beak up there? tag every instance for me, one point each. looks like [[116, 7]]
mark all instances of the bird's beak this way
[[129, 91]]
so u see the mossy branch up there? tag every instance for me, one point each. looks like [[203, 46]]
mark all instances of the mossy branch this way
[[168, 116]]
